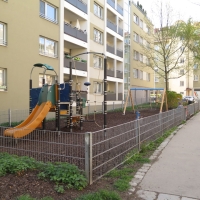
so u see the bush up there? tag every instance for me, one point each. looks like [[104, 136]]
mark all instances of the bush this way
[[172, 99]]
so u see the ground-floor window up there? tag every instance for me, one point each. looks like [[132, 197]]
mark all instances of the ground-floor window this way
[[3, 84], [49, 79]]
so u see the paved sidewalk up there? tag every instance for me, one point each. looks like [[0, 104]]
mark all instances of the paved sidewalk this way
[[175, 174]]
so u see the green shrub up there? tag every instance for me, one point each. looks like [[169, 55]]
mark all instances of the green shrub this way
[[64, 173], [172, 99]]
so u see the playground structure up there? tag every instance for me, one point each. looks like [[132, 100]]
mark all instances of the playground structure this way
[[58, 99], [155, 98]]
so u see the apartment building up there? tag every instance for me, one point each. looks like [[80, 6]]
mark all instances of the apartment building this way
[[29, 34], [141, 29], [52, 32]]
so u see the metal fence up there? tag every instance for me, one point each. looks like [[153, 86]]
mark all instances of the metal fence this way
[[96, 152]]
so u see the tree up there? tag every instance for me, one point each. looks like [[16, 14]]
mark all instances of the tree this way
[[171, 50]]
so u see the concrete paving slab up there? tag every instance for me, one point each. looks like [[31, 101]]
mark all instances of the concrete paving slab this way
[[168, 197], [146, 195], [176, 170]]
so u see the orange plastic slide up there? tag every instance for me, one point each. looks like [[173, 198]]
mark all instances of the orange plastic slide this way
[[31, 123]]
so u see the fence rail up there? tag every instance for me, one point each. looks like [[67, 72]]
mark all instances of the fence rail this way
[[95, 152]]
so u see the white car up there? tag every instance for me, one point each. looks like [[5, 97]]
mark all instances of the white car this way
[[189, 98]]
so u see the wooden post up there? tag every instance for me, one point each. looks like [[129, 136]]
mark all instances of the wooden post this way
[[132, 101], [161, 105], [125, 104]]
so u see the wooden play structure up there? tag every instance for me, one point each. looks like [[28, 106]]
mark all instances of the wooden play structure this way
[[156, 99]]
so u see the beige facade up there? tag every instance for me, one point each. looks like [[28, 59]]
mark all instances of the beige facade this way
[[20, 50], [141, 75], [67, 29]]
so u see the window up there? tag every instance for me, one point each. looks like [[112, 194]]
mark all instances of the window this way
[[135, 73], [156, 79], [148, 76], [3, 34], [147, 61], [136, 19], [141, 24], [181, 72], [148, 45], [156, 47], [3, 85], [136, 37], [98, 10], [49, 79], [141, 40], [98, 36], [98, 87], [141, 57], [148, 30], [48, 11], [47, 47], [195, 66], [196, 77], [181, 83], [136, 55], [140, 74], [97, 62], [181, 60]]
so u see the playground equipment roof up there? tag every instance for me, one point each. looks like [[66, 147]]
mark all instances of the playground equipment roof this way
[[146, 88]]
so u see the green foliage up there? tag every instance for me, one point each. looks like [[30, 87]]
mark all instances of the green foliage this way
[[14, 164], [117, 173], [122, 184], [25, 197], [172, 99], [59, 188], [13, 124], [101, 195], [137, 157], [64, 173]]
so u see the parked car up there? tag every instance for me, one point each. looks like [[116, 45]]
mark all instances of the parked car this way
[[190, 99]]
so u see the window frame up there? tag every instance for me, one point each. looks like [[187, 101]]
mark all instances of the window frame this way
[[99, 58], [46, 81], [99, 8], [135, 73], [3, 87], [136, 37], [101, 88], [45, 15], [4, 39], [196, 77], [101, 34], [136, 19], [45, 52], [181, 83], [156, 79], [196, 66], [141, 22], [136, 55]]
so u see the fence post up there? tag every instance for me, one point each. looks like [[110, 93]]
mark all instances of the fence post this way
[[137, 126], [113, 105], [160, 123], [88, 108], [88, 157], [9, 117]]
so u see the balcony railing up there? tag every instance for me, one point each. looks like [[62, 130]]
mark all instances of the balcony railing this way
[[119, 9], [119, 96], [119, 74], [111, 96], [120, 31], [111, 3], [110, 72], [78, 4], [110, 49], [82, 66], [111, 25], [120, 53], [74, 32]]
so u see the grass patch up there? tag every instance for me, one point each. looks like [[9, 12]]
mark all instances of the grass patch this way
[[100, 195]]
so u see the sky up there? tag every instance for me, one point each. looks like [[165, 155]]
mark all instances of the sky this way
[[185, 8]]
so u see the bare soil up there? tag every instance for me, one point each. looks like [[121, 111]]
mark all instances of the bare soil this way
[[14, 185]]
